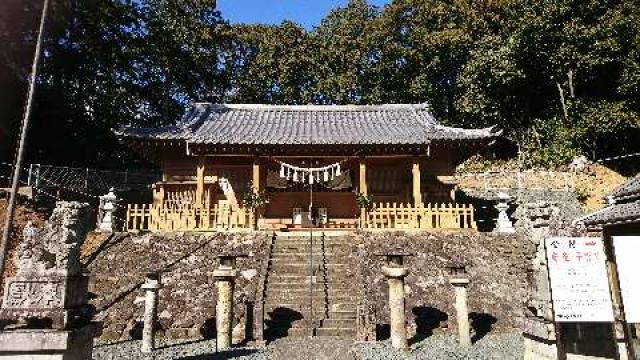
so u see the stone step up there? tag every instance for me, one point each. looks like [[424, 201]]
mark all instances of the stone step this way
[[330, 266], [271, 333], [295, 299], [339, 323], [319, 284], [297, 259], [346, 332], [301, 253], [294, 285], [302, 277], [292, 322], [334, 307], [301, 307], [343, 314], [333, 294]]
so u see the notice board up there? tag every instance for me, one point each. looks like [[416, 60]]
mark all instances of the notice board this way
[[627, 250], [579, 282]]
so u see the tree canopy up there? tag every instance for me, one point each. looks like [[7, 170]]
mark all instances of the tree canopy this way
[[560, 77]]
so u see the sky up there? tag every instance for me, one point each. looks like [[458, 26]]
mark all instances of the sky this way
[[307, 13]]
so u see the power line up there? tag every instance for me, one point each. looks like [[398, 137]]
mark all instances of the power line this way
[[23, 139]]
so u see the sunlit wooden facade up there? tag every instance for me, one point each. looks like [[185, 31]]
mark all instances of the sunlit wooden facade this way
[[397, 155]]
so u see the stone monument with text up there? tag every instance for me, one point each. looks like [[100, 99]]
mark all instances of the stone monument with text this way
[[45, 309]]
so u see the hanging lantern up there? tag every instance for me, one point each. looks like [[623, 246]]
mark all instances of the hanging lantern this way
[[310, 178], [337, 169], [282, 171]]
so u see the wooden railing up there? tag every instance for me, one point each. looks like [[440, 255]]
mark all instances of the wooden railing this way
[[150, 217], [428, 216]]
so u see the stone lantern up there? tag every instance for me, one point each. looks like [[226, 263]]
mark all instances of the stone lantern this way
[[107, 208], [395, 272], [503, 224]]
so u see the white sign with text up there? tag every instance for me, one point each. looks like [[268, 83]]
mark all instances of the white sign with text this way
[[579, 281], [627, 249]]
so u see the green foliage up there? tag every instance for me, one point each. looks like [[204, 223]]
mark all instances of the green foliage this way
[[253, 199], [560, 77], [364, 201]]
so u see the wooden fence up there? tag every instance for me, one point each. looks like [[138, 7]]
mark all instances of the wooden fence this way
[[428, 216], [150, 217]]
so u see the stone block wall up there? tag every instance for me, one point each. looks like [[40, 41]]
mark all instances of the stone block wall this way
[[498, 273], [187, 300]]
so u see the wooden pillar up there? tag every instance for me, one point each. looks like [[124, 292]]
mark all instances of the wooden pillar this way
[[255, 175], [415, 172], [257, 186], [200, 181], [363, 177]]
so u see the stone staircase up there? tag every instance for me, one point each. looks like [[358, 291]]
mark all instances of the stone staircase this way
[[290, 310]]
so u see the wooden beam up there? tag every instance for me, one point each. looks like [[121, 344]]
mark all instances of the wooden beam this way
[[200, 181], [362, 186], [415, 172]]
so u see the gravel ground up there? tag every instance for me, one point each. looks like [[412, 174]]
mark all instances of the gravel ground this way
[[436, 347]]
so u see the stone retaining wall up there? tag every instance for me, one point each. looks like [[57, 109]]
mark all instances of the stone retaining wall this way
[[498, 274], [187, 300]]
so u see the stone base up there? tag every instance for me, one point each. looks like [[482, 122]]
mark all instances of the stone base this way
[[539, 349], [48, 344]]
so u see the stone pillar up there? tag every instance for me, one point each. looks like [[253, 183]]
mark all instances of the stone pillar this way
[[107, 208], [503, 224], [50, 289], [462, 311], [225, 278], [460, 281], [151, 286], [395, 273]]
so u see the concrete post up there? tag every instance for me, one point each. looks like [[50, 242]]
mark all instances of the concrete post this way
[[462, 311], [151, 286], [395, 273], [225, 278]]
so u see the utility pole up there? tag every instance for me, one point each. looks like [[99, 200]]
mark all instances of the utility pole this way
[[22, 140]]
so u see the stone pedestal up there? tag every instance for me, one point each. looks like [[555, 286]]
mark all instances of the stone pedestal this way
[[151, 287], [397, 320], [462, 311], [225, 279], [48, 344], [45, 305]]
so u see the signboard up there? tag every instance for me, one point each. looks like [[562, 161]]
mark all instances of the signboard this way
[[627, 249], [579, 282]]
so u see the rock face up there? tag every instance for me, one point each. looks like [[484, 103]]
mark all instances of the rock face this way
[[500, 265], [498, 274], [186, 304]]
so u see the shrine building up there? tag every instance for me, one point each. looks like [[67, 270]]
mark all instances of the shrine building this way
[[352, 166]]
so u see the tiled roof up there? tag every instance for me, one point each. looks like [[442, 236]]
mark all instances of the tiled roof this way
[[630, 188], [624, 207], [254, 124], [613, 214]]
